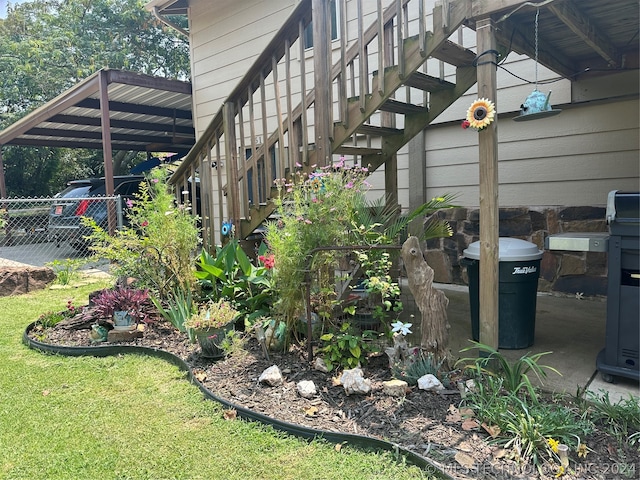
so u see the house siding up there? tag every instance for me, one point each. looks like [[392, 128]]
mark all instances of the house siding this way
[[544, 166], [226, 37]]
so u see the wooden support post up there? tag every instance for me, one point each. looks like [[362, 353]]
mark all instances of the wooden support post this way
[[488, 145], [322, 72], [107, 154]]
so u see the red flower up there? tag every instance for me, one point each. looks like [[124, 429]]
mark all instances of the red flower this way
[[144, 224], [465, 124], [268, 260]]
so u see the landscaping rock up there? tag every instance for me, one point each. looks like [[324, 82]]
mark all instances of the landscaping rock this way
[[395, 388], [353, 381], [123, 335], [319, 365], [429, 382], [19, 280], [306, 389], [271, 376]]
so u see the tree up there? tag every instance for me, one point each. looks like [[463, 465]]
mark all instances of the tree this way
[[47, 46]]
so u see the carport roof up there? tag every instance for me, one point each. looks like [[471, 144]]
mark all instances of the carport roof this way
[[145, 113]]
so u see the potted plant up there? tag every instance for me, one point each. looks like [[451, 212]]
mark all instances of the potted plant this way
[[124, 306], [211, 325]]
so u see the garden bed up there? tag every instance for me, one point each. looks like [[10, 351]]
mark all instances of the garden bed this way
[[426, 423]]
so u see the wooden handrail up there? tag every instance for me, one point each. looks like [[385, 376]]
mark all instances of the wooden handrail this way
[[278, 76]]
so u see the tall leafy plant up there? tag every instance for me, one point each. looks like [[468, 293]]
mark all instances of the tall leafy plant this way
[[158, 249], [230, 274]]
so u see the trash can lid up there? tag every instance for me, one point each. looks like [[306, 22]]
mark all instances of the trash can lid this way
[[509, 249]]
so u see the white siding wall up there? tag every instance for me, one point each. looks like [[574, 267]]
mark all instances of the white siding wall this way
[[574, 158], [226, 38]]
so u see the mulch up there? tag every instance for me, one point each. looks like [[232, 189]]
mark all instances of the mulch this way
[[424, 422]]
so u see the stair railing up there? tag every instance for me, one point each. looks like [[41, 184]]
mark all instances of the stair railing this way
[[281, 116]]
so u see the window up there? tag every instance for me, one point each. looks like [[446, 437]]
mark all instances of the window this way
[[308, 32]]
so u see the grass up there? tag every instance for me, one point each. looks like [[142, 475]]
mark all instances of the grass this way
[[135, 417]]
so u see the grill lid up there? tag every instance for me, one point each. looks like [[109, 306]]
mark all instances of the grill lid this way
[[623, 207], [623, 213]]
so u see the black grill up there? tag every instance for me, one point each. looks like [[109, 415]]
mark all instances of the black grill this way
[[620, 356]]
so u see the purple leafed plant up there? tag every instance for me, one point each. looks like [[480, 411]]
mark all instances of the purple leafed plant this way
[[132, 300]]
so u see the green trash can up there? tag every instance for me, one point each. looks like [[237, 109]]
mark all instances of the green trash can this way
[[519, 269]]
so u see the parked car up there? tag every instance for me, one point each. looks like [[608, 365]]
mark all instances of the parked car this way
[[77, 200]]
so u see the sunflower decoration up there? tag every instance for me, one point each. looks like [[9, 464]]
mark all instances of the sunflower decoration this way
[[480, 114]]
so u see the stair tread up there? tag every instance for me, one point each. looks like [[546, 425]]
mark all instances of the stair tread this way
[[394, 106], [454, 54], [366, 129], [356, 150], [426, 82]]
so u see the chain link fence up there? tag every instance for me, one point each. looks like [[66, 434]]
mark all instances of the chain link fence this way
[[38, 231]]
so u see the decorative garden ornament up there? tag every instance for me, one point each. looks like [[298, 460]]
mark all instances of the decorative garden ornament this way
[[536, 105]]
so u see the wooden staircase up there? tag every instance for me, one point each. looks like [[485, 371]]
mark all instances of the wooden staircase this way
[[364, 113]]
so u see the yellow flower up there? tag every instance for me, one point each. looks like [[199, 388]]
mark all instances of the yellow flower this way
[[560, 471], [553, 444], [582, 450], [481, 113]]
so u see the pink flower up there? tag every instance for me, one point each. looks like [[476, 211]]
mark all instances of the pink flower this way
[[269, 261], [129, 203], [308, 222], [465, 124], [154, 180], [349, 185]]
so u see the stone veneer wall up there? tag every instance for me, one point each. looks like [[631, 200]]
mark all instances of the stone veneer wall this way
[[560, 271]]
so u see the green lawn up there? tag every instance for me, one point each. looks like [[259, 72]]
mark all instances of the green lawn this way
[[135, 417]]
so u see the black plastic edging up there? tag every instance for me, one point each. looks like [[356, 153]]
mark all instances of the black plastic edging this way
[[361, 441]]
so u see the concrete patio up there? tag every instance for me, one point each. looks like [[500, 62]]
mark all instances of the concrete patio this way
[[573, 329]]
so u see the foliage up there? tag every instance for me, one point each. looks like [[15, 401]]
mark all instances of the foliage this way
[[329, 208], [231, 275], [378, 222], [233, 344], [524, 425], [216, 314], [622, 419], [346, 348], [314, 210], [3, 221], [158, 248], [514, 376], [50, 319], [178, 308], [47, 46], [530, 427], [132, 300], [423, 365], [66, 270]]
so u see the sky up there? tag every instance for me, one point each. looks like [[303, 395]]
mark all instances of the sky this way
[[3, 6]]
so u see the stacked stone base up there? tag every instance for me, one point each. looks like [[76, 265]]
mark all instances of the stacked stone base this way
[[560, 271]]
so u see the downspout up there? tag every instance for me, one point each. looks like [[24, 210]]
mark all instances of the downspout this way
[[169, 23]]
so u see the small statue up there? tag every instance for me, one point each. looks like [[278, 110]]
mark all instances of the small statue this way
[[98, 333]]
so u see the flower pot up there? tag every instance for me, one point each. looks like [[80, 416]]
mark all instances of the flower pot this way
[[123, 321], [210, 340]]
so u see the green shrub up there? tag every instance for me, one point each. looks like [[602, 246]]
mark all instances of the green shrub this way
[[158, 249], [514, 375]]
